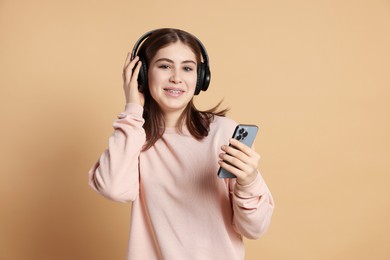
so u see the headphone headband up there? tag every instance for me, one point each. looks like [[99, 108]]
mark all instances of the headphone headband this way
[[138, 43]]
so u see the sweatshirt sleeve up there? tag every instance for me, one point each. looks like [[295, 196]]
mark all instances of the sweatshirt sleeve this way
[[116, 174], [252, 206]]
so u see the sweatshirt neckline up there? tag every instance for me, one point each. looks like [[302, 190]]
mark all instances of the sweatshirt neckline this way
[[174, 130]]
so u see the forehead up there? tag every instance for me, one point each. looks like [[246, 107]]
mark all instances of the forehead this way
[[177, 51]]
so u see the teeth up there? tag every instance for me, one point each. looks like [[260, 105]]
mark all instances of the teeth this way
[[174, 91]]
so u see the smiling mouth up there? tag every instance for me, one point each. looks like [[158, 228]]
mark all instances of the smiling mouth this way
[[174, 91]]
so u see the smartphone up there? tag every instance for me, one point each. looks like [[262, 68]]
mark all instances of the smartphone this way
[[246, 134]]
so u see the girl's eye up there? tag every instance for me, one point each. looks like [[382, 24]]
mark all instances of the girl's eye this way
[[164, 66], [188, 69]]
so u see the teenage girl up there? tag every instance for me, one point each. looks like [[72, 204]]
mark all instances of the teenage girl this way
[[164, 154]]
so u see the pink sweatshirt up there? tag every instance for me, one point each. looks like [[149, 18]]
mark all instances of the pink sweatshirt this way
[[181, 209]]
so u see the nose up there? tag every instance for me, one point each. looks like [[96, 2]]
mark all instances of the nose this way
[[175, 77]]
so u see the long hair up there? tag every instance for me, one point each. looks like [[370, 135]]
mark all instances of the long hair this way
[[198, 122]]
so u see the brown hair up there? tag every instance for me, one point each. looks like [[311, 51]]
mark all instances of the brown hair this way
[[197, 121]]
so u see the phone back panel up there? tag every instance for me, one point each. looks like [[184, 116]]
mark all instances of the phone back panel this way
[[246, 134]]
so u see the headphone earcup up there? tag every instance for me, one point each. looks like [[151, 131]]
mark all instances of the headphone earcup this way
[[206, 78], [143, 76], [203, 78], [199, 79]]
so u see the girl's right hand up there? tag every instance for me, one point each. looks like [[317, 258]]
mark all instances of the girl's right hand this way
[[130, 83]]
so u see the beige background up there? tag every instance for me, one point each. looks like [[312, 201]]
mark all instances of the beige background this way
[[313, 74]]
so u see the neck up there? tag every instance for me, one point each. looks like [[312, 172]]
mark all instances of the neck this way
[[172, 119]]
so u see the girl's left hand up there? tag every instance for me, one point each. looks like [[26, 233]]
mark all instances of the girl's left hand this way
[[240, 160]]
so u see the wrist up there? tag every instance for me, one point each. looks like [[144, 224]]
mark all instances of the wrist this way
[[248, 180]]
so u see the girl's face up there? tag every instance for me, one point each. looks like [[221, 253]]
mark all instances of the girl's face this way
[[172, 77]]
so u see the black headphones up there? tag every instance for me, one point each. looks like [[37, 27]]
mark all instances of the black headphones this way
[[203, 70]]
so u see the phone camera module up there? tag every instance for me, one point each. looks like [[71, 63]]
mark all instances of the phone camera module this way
[[242, 133]]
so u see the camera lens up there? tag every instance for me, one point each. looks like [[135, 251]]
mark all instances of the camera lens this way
[[245, 134], [241, 130], [238, 137]]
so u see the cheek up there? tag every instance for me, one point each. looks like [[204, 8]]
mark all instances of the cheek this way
[[192, 79], [153, 89], [153, 78], [153, 83]]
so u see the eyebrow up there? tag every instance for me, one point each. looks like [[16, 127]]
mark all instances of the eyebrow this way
[[171, 61]]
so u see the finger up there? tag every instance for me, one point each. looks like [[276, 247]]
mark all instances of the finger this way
[[128, 59], [242, 147], [234, 161], [134, 77], [235, 152], [250, 161], [128, 69], [230, 168], [241, 171], [130, 63]]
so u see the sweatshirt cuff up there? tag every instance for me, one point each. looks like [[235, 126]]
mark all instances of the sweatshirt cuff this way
[[131, 109], [255, 188]]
